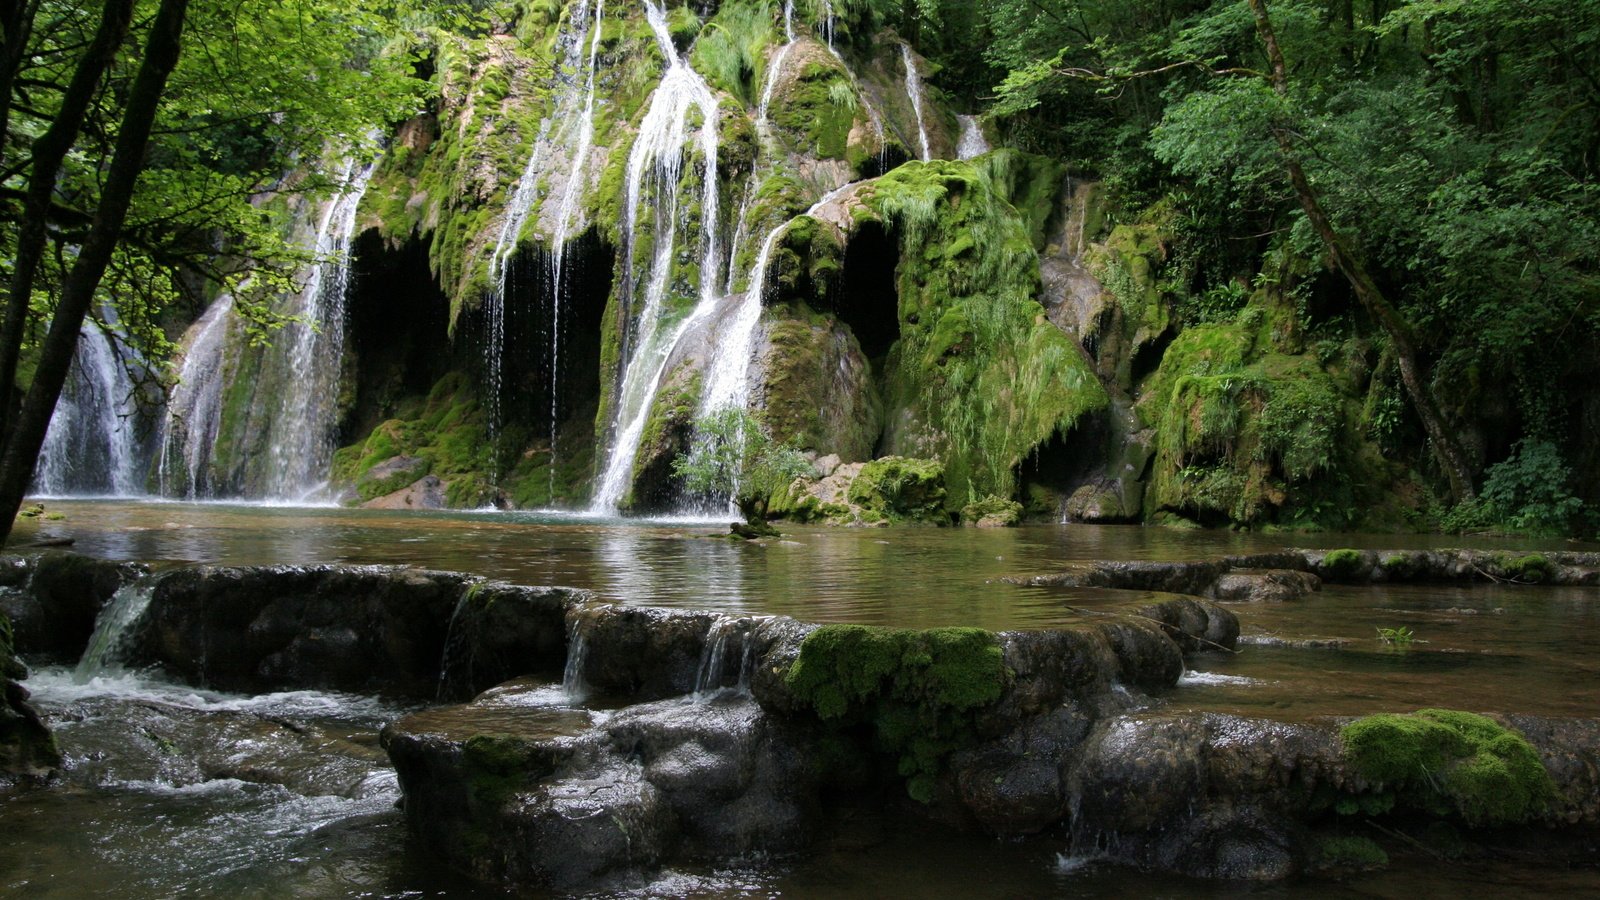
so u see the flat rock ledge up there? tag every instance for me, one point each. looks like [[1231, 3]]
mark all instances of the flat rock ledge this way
[[1292, 574], [600, 742]]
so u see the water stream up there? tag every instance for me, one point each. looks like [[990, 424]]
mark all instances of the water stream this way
[[972, 143], [914, 91], [657, 174], [173, 790], [303, 433], [92, 446]]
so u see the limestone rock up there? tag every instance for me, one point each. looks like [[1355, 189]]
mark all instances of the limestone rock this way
[[427, 492]]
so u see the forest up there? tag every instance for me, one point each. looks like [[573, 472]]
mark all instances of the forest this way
[[1351, 246]]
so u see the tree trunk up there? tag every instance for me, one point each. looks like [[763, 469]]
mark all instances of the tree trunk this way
[[24, 440], [49, 150], [16, 29], [1446, 449]]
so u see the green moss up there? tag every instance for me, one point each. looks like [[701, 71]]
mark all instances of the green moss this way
[[448, 430], [1532, 569], [992, 510], [900, 489], [917, 691], [1447, 762], [1350, 852], [819, 108], [1343, 565], [983, 374]]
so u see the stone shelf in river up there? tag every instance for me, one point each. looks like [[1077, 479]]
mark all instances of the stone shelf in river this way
[[601, 742]]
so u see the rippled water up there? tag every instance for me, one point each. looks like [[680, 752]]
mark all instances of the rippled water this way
[[173, 791]]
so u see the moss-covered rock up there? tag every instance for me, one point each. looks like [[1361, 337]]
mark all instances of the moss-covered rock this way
[[979, 376], [918, 691], [992, 512], [1448, 762], [446, 433], [899, 489]]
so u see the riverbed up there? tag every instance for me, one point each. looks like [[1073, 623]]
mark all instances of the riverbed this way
[[151, 807]]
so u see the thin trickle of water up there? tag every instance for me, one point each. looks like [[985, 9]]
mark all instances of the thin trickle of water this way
[[572, 119], [573, 683], [112, 628], [91, 445], [456, 643], [727, 639], [302, 435], [914, 91], [194, 409], [656, 166], [973, 143]]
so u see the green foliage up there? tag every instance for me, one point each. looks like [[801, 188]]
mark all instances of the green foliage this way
[[918, 691], [1399, 638], [1530, 491], [733, 455], [1447, 762], [732, 47]]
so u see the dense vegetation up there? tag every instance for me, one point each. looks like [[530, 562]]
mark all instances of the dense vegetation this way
[[1359, 236]]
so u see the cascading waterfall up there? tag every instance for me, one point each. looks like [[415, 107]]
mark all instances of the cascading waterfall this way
[[728, 378], [764, 132], [302, 435], [726, 636], [111, 629], [656, 162], [194, 409], [91, 446], [564, 218], [972, 143], [914, 91], [570, 126], [574, 686]]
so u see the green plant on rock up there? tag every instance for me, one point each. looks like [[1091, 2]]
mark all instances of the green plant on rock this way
[[1448, 763], [919, 692], [1399, 637], [733, 455], [1343, 565]]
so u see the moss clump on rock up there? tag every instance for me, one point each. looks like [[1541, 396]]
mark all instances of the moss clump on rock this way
[[1350, 852], [899, 489], [1343, 565], [1448, 762], [1532, 569], [992, 512], [918, 691], [448, 430]]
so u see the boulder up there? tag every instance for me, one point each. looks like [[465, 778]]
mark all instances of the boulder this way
[[427, 492], [1264, 585]]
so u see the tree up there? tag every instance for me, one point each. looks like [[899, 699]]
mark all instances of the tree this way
[[154, 181], [733, 456]]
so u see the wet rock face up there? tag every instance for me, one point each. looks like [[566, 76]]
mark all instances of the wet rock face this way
[[368, 628], [539, 796], [639, 652], [1264, 585], [27, 749], [500, 631], [52, 600]]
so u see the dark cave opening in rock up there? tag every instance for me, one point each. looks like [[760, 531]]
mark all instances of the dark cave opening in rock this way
[[397, 322], [865, 297]]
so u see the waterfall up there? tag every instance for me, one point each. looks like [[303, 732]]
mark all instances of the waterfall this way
[[724, 635], [973, 143], [656, 162], [561, 149], [573, 683], [91, 445], [302, 434], [194, 409], [728, 381], [111, 629], [914, 91]]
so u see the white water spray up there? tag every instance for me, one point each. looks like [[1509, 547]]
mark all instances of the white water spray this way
[[91, 444], [302, 435], [914, 91], [973, 143], [194, 410], [656, 167]]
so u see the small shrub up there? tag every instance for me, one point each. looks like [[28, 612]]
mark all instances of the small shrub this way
[[1351, 852], [1400, 638]]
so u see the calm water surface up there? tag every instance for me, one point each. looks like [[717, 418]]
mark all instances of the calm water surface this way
[[149, 809]]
